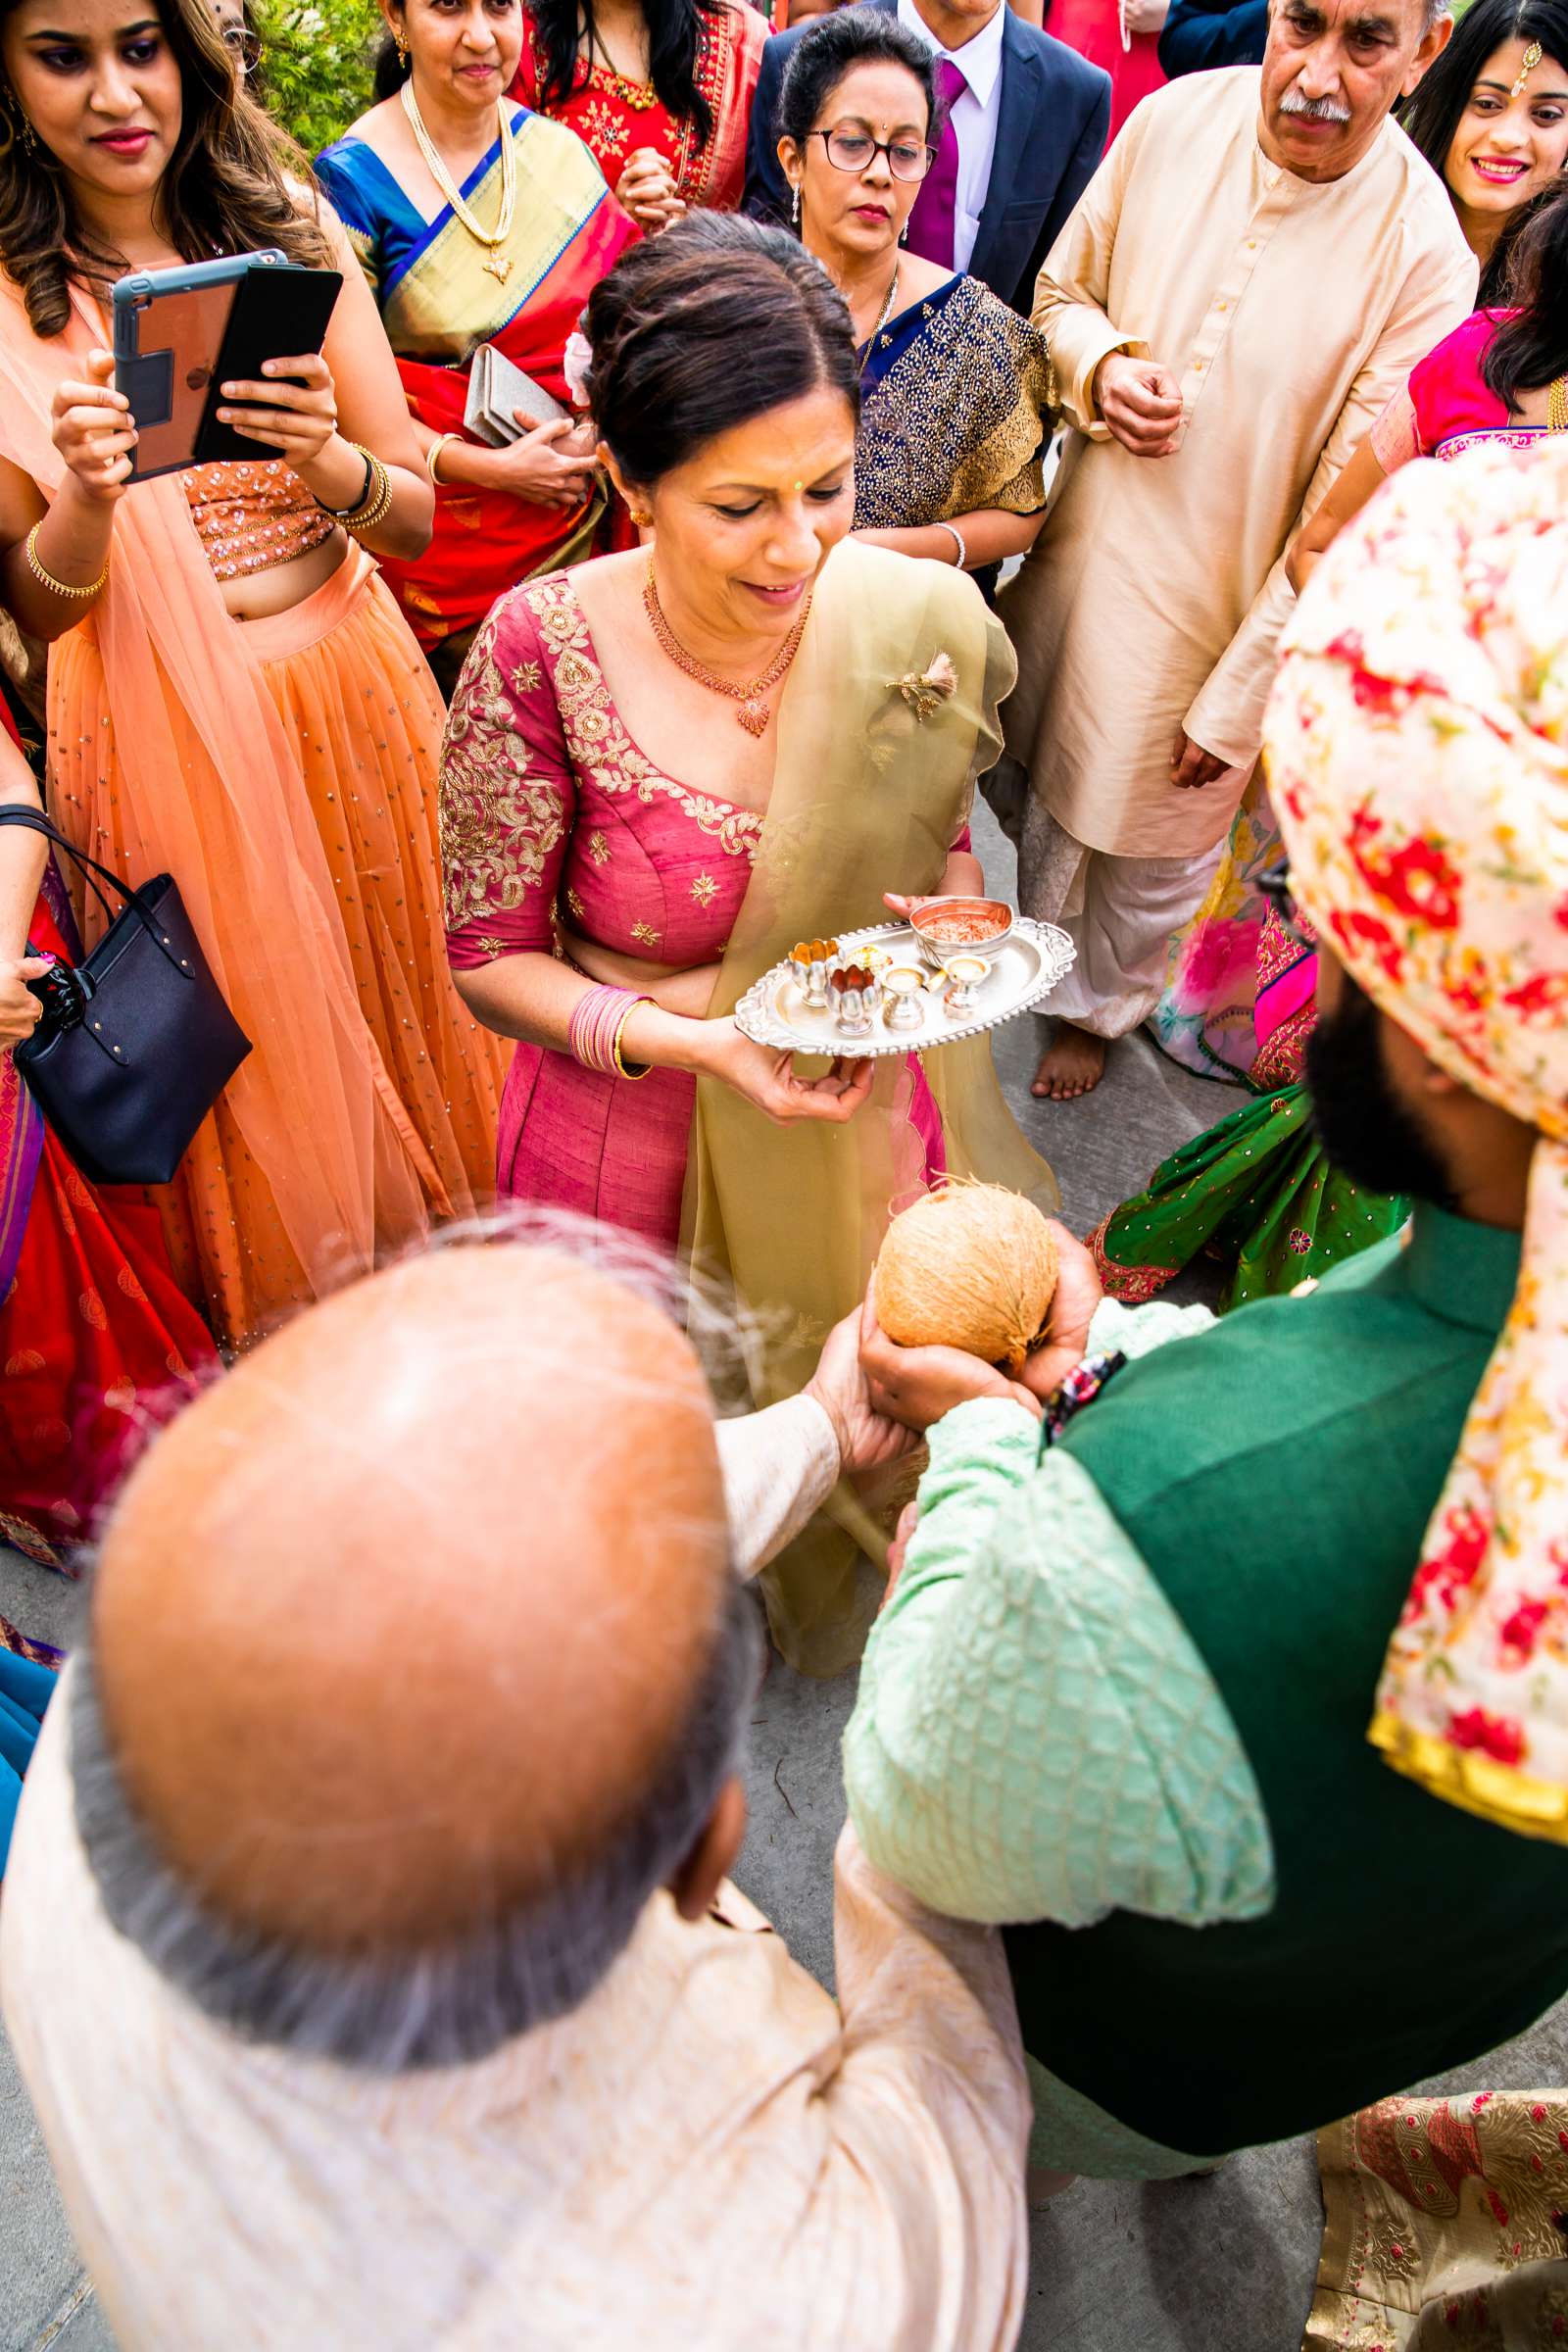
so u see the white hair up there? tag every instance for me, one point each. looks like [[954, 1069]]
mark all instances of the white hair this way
[[444, 2004]]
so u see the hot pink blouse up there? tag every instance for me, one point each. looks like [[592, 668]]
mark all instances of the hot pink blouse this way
[[1446, 404]]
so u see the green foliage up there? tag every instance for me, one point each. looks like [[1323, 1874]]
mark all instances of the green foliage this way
[[317, 65]]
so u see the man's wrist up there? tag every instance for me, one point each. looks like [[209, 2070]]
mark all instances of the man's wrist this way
[[831, 1413]]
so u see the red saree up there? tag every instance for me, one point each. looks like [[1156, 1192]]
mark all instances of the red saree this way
[[615, 117], [97, 1343], [440, 298]]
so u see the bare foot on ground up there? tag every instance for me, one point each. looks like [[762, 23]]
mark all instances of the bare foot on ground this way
[[1073, 1064]]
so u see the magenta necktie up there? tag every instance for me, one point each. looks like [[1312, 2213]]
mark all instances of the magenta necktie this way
[[931, 223]]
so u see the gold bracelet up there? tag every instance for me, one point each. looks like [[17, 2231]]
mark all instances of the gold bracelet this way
[[368, 515], [433, 453], [41, 573], [377, 499], [638, 1069]]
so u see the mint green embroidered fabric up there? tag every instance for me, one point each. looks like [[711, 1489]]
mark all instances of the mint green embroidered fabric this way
[[1036, 1735]]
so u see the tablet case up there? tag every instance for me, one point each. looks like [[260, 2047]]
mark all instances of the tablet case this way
[[496, 387], [180, 334]]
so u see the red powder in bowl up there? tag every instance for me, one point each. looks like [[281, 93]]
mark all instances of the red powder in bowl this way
[[960, 927]]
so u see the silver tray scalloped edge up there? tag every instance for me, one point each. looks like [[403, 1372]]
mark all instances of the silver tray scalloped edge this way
[[759, 1017]]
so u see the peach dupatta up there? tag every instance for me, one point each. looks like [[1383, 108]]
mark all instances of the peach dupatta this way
[[310, 1154]]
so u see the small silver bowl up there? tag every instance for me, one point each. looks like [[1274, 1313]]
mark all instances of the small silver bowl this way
[[967, 973], [928, 916], [853, 1010], [903, 996]]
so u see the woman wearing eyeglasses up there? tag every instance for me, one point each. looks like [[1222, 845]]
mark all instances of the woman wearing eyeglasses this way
[[954, 387]]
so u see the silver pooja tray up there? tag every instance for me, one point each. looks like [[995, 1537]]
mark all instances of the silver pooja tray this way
[[1025, 968]]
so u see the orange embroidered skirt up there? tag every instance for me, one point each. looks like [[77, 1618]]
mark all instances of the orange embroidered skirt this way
[[355, 694]]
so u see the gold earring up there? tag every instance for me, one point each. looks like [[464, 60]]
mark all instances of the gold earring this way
[[400, 44], [641, 517], [15, 124]]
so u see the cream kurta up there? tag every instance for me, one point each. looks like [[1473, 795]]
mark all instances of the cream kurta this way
[[710, 2153], [1290, 311]]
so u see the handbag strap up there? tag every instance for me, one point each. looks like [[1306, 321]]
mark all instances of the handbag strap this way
[[34, 821]]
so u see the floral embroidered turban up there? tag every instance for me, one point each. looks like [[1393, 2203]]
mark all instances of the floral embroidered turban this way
[[1418, 749]]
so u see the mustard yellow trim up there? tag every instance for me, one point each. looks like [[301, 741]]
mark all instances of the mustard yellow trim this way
[[1476, 1783]]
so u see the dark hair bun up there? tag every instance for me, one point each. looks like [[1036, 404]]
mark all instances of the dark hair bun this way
[[700, 329], [832, 47]]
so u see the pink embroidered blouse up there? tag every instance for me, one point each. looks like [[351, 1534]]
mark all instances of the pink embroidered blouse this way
[[547, 803]]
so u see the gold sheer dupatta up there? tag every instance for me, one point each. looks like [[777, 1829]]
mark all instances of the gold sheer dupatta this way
[[880, 741]]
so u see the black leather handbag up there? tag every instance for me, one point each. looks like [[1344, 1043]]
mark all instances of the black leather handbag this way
[[135, 1043]]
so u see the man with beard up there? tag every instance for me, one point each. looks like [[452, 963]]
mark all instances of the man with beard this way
[[1145, 1669], [1251, 274]]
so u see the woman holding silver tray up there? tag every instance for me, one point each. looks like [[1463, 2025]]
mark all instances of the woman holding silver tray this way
[[693, 759]]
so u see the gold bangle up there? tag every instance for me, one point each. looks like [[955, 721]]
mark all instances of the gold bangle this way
[[433, 453], [371, 510], [46, 579], [377, 499], [638, 1069]]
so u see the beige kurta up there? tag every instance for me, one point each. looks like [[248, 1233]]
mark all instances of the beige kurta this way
[[1288, 312], [711, 2152]]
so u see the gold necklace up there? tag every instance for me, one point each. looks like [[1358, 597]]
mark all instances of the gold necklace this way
[[639, 96], [497, 264], [887, 312], [753, 714]]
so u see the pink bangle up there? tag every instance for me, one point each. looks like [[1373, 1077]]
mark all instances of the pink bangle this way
[[593, 1036]]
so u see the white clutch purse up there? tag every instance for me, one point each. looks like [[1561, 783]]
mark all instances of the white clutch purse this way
[[496, 388]]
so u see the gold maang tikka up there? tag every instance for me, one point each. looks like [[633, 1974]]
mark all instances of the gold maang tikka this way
[[1531, 60]]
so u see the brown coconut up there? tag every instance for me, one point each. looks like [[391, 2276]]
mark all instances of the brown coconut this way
[[971, 1266]]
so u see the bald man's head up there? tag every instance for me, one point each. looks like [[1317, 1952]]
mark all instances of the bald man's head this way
[[405, 1631]]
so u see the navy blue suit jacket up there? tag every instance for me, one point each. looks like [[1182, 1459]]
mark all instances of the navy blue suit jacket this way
[[1051, 134], [1202, 34]]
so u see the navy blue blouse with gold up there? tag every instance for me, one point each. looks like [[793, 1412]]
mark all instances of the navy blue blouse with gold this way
[[955, 413]]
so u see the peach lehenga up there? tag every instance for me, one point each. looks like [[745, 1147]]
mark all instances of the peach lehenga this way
[[284, 770]]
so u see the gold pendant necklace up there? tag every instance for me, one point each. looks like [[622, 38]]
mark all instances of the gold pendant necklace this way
[[752, 712], [868, 345], [639, 96], [496, 263]]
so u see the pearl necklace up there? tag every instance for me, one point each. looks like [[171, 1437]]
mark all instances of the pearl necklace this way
[[497, 264], [753, 712]]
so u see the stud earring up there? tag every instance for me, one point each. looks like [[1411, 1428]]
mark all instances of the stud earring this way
[[641, 517], [795, 209]]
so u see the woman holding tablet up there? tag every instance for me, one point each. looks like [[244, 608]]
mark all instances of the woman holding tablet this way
[[233, 695]]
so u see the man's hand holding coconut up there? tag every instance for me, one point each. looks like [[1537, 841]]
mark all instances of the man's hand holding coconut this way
[[974, 1293]]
